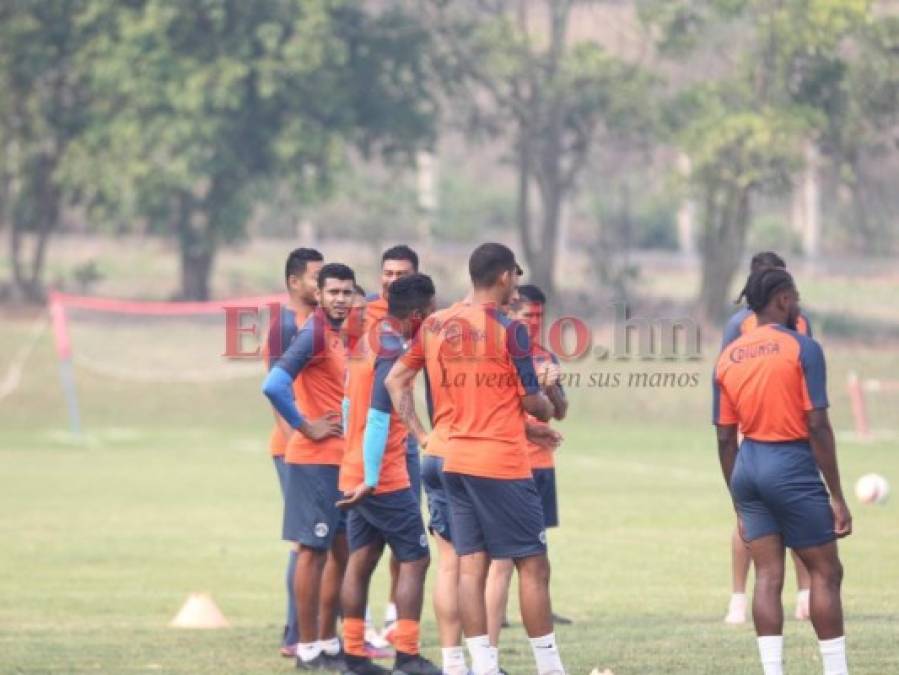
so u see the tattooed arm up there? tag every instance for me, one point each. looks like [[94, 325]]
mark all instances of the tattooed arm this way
[[399, 385]]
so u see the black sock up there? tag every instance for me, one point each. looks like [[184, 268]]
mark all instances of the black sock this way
[[353, 660]]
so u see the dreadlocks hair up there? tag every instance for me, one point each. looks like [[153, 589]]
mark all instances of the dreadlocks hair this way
[[760, 261], [764, 284]]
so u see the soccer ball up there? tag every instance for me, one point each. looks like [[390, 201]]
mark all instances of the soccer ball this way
[[872, 488]]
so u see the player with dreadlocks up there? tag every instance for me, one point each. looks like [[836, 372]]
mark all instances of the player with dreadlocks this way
[[770, 385], [744, 320]]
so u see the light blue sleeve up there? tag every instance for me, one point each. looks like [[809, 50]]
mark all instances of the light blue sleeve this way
[[374, 443], [345, 413], [278, 388]]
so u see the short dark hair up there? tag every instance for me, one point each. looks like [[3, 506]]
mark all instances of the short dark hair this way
[[531, 293], [299, 259], [488, 262], [764, 284], [409, 293], [337, 271], [401, 252], [764, 260], [761, 261]]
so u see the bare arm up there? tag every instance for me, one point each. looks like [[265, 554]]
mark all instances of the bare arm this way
[[557, 398], [727, 449], [399, 385], [825, 452], [538, 405]]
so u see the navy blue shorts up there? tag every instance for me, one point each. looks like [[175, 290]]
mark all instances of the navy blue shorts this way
[[393, 518], [413, 466], [500, 516], [438, 505], [281, 468], [778, 490], [310, 515], [546, 486]]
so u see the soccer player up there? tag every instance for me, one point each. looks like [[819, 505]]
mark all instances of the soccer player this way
[[529, 310], [399, 384], [316, 361], [488, 373], [396, 262], [377, 490], [742, 321], [301, 279], [770, 385]]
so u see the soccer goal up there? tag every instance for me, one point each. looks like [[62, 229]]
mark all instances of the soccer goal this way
[[865, 395]]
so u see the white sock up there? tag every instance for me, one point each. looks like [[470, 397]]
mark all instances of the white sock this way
[[330, 647], [833, 655], [546, 655], [308, 650], [771, 649], [483, 658], [390, 613], [454, 661]]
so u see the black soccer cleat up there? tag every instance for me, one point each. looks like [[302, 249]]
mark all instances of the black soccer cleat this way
[[414, 664], [357, 665], [315, 665], [336, 663]]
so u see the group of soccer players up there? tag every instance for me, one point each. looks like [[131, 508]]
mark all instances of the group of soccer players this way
[[346, 440], [770, 387]]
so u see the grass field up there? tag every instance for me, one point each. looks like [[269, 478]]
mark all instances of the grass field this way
[[171, 491]]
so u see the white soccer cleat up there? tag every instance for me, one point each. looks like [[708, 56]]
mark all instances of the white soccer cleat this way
[[736, 610]]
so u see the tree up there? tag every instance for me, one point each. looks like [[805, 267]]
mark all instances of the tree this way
[[768, 91], [203, 105], [43, 103], [516, 74]]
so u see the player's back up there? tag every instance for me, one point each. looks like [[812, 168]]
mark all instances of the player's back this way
[[475, 350], [766, 380]]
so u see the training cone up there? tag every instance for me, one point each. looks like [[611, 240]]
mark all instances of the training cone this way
[[596, 671], [199, 611]]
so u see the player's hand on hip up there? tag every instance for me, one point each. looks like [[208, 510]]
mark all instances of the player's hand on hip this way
[[842, 519], [354, 496], [329, 424]]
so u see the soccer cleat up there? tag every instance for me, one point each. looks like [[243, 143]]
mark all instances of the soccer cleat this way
[[415, 665], [561, 620], [356, 665], [736, 610], [317, 664], [334, 662]]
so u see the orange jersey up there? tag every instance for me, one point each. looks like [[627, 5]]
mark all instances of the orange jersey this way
[[316, 359], [276, 343], [484, 367], [375, 310], [767, 380], [440, 405], [540, 457], [365, 390]]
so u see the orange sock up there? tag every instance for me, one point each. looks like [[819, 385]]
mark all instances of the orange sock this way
[[354, 636], [405, 637]]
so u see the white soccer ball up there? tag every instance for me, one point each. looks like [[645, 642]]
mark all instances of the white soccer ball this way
[[872, 488]]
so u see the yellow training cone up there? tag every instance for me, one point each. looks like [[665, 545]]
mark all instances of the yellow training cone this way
[[199, 611]]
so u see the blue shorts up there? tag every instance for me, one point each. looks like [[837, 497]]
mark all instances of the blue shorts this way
[[546, 486], [500, 516], [438, 506], [393, 518], [310, 515], [413, 466], [281, 468], [778, 490]]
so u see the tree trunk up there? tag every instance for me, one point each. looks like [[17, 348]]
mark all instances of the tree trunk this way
[[28, 277], [726, 224], [197, 250], [523, 205]]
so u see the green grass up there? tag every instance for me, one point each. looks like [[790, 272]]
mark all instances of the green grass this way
[[171, 491]]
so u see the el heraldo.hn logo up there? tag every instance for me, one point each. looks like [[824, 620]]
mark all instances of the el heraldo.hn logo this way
[[754, 351]]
